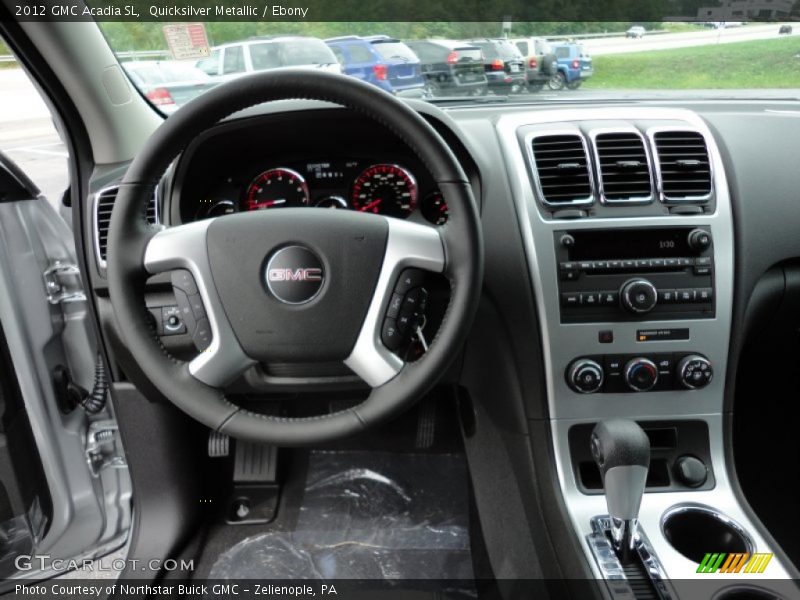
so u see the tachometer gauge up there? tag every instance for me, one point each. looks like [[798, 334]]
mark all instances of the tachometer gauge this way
[[277, 188], [434, 208], [385, 189]]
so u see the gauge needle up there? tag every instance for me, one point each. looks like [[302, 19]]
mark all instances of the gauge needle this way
[[372, 205], [271, 203]]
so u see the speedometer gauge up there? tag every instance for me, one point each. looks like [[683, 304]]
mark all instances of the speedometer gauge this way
[[277, 188], [385, 189]]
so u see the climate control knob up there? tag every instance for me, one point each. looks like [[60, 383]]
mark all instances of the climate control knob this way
[[585, 376], [695, 371], [638, 295], [641, 374]]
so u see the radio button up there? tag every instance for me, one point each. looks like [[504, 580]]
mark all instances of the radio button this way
[[590, 299], [570, 275], [685, 262], [702, 270], [570, 299], [628, 264], [672, 262], [615, 264], [586, 265], [657, 263], [643, 263], [702, 260], [686, 295], [609, 298], [667, 296], [704, 295]]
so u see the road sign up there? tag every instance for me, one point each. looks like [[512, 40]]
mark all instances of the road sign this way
[[187, 40]]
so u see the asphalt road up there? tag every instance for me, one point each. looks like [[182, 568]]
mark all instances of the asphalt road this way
[[665, 41]]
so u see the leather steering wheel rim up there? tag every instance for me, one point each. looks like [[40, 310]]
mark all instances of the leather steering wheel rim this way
[[130, 238]]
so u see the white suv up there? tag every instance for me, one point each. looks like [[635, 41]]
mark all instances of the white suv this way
[[262, 53]]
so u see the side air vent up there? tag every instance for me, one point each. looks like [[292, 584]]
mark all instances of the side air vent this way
[[562, 169], [684, 165], [623, 168], [103, 205]]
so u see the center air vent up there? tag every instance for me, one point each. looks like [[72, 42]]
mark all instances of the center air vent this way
[[623, 168], [103, 205], [562, 167], [684, 165]]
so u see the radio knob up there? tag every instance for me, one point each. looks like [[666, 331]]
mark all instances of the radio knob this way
[[585, 376], [641, 374], [695, 371], [699, 240], [638, 295]]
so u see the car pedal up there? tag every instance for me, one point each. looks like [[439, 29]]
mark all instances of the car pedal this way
[[255, 494], [426, 425], [219, 444]]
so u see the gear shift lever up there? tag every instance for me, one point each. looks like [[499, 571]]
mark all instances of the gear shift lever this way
[[621, 450]]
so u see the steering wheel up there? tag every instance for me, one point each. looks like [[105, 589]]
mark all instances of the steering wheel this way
[[293, 285]]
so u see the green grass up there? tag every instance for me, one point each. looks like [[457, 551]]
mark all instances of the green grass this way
[[760, 64]]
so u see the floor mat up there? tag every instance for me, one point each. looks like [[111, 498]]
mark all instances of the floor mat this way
[[367, 516]]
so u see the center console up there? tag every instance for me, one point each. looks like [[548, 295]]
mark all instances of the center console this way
[[628, 232]]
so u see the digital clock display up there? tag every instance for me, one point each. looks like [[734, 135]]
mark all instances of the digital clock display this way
[[612, 244]]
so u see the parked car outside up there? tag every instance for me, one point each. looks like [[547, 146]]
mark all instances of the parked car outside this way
[[574, 67], [451, 68], [636, 32], [504, 65], [168, 84], [785, 30], [379, 60], [229, 61], [540, 62]]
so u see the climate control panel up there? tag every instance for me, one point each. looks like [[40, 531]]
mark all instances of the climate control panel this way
[[619, 373]]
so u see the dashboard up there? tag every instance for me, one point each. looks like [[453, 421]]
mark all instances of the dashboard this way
[[266, 166], [600, 303]]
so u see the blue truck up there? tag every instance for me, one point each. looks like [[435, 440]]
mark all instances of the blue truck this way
[[574, 67]]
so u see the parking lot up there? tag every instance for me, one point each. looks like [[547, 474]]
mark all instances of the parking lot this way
[[28, 136]]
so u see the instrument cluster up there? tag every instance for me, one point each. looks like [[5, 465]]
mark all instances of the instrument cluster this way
[[382, 188]]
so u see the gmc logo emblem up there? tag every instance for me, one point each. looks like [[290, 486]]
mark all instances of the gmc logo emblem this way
[[309, 274]]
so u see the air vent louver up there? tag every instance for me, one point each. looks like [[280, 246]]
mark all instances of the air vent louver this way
[[562, 167], [684, 165], [624, 171], [104, 204]]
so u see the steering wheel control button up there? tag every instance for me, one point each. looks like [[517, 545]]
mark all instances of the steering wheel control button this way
[[691, 471], [171, 320], [202, 334], [410, 278], [641, 374], [196, 304], [695, 371], [294, 275], [638, 295], [394, 306], [183, 280], [585, 376], [390, 335]]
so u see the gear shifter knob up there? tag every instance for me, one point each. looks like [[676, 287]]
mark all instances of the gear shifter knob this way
[[621, 450]]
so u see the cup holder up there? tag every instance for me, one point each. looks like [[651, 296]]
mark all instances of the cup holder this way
[[746, 592], [695, 530]]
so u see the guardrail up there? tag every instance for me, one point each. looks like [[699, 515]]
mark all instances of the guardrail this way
[[589, 36]]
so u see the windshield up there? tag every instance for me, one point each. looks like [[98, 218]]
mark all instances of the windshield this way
[[468, 62]]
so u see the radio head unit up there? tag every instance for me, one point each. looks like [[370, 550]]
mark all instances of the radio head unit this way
[[631, 274]]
